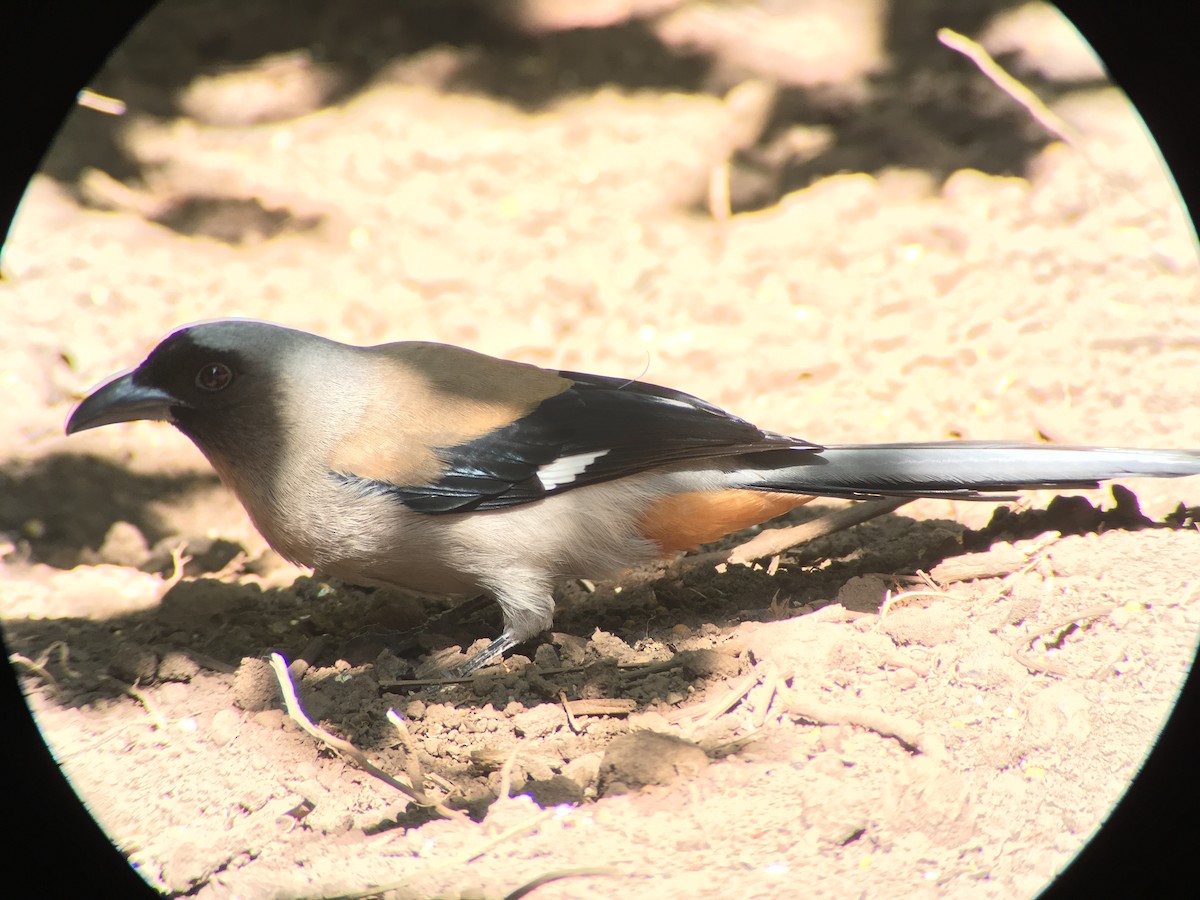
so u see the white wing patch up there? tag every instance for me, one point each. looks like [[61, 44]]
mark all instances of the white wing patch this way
[[565, 469]]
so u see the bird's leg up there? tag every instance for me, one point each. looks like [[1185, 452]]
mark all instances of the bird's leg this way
[[488, 654], [527, 601]]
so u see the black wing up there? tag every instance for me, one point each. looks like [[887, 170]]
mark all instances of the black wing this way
[[598, 429]]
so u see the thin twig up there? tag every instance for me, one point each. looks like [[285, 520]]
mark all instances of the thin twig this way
[[521, 828], [231, 568], [778, 540], [412, 761], [771, 682], [1049, 668], [506, 772], [178, 561], [633, 670], [160, 724], [928, 579], [768, 543], [64, 657], [893, 600], [713, 709], [101, 103], [1037, 666], [570, 715], [16, 659], [418, 796], [1036, 553], [905, 731], [718, 195], [586, 871], [992, 70], [599, 706]]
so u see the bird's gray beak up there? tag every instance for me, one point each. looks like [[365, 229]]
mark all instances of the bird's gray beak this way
[[121, 401]]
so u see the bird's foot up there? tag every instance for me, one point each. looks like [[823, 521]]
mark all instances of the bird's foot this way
[[491, 653]]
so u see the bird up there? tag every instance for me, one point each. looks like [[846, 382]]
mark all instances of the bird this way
[[439, 469]]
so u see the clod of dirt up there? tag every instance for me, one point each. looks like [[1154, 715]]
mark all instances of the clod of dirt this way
[[863, 593], [553, 791], [1072, 515], [584, 770], [1065, 514], [546, 657], [986, 663], [708, 664], [936, 802], [176, 666], [254, 685], [644, 758], [134, 664], [1055, 715], [210, 555], [124, 545], [928, 627], [572, 649], [277, 87], [609, 646]]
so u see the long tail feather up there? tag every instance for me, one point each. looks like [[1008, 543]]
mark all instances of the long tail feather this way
[[963, 469]]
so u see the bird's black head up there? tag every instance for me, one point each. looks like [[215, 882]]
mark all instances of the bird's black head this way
[[204, 379]]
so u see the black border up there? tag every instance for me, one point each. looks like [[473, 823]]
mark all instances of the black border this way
[[51, 49]]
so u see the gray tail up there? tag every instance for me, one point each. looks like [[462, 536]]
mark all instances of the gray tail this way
[[960, 470]]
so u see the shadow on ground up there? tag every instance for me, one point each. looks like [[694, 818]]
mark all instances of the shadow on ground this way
[[926, 108]]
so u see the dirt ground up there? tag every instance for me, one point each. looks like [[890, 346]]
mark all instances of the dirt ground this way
[[909, 256]]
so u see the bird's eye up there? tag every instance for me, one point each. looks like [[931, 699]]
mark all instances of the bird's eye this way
[[214, 377]]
